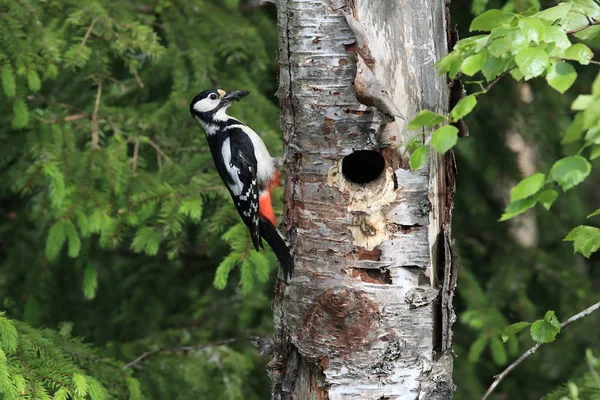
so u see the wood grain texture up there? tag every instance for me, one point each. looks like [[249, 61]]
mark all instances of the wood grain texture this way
[[363, 317]]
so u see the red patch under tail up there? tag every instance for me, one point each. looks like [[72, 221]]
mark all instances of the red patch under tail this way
[[265, 208]]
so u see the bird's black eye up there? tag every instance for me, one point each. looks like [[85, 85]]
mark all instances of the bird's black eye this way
[[213, 96]]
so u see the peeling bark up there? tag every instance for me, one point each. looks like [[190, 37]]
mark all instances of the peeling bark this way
[[368, 314]]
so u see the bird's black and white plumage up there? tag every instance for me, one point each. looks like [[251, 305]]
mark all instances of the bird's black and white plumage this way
[[245, 166]]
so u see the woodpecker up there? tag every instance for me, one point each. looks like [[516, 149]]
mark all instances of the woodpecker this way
[[246, 167]]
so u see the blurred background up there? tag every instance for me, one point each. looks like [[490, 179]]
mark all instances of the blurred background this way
[[121, 234]]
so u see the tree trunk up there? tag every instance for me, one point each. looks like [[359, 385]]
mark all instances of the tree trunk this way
[[369, 310]]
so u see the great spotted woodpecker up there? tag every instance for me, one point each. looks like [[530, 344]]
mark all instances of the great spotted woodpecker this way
[[246, 167]]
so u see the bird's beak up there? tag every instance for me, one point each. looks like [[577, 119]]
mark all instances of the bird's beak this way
[[232, 96]]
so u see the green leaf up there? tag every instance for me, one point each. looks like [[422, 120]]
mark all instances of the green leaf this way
[[518, 207], [593, 135], [477, 348], [498, 351], [543, 331], [595, 213], [533, 28], [9, 84], [56, 239], [90, 281], [444, 138], [500, 47], [33, 80], [513, 330], [586, 239], [570, 171], [473, 64], [550, 317], [582, 102], [547, 198], [528, 187], [595, 153], [555, 13], [516, 74], [450, 64], [418, 158], [574, 131], [494, 66], [579, 52], [596, 86], [591, 115], [554, 34], [532, 62], [561, 75], [463, 107], [425, 118], [518, 41], [489, 20]]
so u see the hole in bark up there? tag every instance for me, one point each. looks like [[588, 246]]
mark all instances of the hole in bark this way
[[363, 166]]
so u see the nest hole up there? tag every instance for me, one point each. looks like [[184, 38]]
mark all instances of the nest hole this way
[[363, 166]]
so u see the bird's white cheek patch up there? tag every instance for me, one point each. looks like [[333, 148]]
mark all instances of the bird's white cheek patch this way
[[205, 105]]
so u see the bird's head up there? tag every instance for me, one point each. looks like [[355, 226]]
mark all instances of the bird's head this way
[[211, 104]]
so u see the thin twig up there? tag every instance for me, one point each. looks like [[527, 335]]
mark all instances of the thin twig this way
[[185, 348], [498, 378], [136, 152], [492, 83], [159, 150], [87, 36], [138, 79], [591, 22], [95, 128]]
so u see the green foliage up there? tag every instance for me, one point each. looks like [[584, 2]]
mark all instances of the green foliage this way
[[526, 46], [528, 187], [545, 330], [44, 364], [112, 212], [444, 138], [586, 239], [517, 270], [584, 387], [418, 158]]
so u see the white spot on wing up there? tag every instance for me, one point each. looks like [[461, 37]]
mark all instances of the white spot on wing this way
[[237, 186]]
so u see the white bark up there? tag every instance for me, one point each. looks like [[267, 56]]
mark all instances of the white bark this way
[[366, 315]]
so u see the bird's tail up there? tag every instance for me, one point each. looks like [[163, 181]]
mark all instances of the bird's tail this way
[[280, 247]]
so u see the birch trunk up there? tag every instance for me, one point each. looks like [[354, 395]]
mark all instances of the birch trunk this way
[[369, 311]]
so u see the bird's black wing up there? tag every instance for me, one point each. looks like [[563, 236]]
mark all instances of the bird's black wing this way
[[241, 168]]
